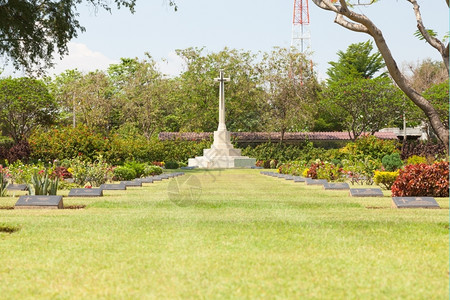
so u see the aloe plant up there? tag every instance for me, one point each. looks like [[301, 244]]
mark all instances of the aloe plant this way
[[42, 184], [3, 184]]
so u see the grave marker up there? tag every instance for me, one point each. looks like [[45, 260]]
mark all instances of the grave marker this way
[[112, 187], [414, 202], [51, 202], [310, 181], [336, 186], [17, 187], [366, 193], [80, 192], [299, 179], [133, 183], [146, 180]]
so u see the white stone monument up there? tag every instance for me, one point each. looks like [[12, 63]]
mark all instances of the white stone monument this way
[[222, 153]]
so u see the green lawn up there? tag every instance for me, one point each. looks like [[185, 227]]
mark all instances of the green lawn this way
[[225, 234]]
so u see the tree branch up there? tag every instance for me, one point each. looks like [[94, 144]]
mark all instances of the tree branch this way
[[433, 41], [350, 25]]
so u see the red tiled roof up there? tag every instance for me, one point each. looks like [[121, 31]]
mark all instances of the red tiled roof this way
[[267, 136]]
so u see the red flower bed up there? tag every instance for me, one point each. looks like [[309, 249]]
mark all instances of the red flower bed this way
[[422, 180]]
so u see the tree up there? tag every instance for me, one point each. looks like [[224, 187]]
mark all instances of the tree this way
[[65, 88], [32, 31], [348, 18], [290, 89], [199, 93], [142, 92], [426, 74], [26, 104], [363, 105], [357, 61]]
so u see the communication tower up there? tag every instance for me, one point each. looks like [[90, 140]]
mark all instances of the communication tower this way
[[301, 34]]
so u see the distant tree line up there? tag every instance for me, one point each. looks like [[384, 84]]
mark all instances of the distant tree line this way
[[275, 91]]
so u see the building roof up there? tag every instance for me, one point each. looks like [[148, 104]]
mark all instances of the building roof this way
[[257, 137]]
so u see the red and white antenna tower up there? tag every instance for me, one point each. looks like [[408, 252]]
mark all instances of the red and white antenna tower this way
[[301, 35]]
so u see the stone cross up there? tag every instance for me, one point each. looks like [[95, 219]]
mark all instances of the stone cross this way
[[222, 80]]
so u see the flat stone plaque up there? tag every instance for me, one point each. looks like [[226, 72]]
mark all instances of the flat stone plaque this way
[[132, 183], [414, 202], [336, 186], [289, 177], [113, 186], [164, 176], [146, 180], [156, 178], [366, 193], [85, 192], [310, 181], [17, 187], [299, 179], [52, 202]]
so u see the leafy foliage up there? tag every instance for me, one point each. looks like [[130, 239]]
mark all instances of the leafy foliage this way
[[392, 162], [26, 104], [31, 46], [124, 173], [67, 143], [415, 160], [386, 179], [428, 149], [422, 180], [356, 62], [171, 165], [362, 105], [369, 145]]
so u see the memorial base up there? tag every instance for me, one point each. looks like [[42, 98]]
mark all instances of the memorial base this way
[[222, 155]]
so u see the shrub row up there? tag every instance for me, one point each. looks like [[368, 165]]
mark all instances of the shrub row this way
[[68, 142]]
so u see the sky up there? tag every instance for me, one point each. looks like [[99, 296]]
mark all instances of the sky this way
[[241, 24]]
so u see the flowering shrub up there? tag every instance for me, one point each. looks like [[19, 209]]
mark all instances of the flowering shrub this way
[[96, 173], [61, 172], [361, 171], [325, 170], [422, 180], [67, 142], [386, 179], [158, 163], [21, 173], [295, 168]]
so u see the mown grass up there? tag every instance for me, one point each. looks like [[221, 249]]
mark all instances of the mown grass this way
[[225, 234]]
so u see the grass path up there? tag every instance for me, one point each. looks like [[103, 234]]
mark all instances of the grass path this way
[[225, 234]]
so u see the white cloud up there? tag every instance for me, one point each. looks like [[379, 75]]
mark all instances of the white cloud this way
[[82, 58], [171, 66]]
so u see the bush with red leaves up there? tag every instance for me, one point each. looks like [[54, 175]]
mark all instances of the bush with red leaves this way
[[422, 180], [61, 172], [21, 151]]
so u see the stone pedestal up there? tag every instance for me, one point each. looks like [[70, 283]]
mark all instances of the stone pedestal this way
[[222, 155]]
